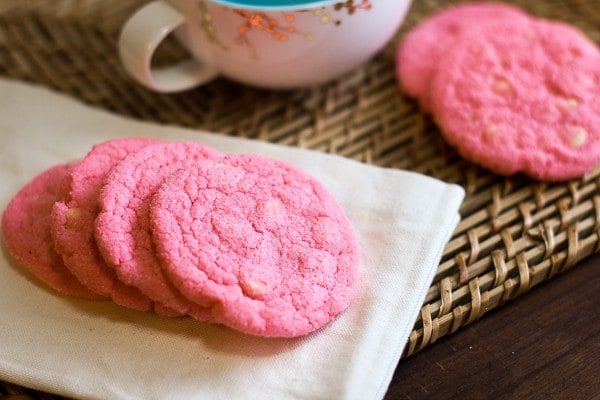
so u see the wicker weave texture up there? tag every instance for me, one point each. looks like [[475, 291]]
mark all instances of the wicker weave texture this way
[[514, 232]]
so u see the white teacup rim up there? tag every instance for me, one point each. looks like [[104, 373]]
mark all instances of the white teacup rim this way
[[275, 5]]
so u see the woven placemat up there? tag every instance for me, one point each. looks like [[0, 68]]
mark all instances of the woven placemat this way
[[514, 232]]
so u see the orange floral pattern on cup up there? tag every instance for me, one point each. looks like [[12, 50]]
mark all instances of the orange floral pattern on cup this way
[[279, 30]]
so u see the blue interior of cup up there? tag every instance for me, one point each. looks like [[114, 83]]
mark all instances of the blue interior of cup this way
[[275, 4]]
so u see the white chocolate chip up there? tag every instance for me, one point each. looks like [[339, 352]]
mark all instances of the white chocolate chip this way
[[73, 218], [578, 137], [530, 35], [253, 288], [490, 134], [567, 104], [501, 85]]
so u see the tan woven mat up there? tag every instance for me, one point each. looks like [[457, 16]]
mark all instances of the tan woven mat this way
[[514, 233]]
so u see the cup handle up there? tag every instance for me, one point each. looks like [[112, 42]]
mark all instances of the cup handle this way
[[139, 39]]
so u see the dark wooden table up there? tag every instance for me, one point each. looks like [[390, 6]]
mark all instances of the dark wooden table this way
[[545, 345]]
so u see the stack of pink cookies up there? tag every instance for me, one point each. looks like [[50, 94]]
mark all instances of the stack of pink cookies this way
[[179, 228], [512, 92]]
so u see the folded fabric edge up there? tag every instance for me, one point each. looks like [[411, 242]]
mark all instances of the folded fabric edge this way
[[455, 197]]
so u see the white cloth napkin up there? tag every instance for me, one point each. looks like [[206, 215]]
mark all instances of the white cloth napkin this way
[[87, 349]]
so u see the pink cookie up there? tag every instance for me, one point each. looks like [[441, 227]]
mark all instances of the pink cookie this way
[[26, 230], [426, 46], [123, 230], [73, 222], [523, 99], [262, 240]]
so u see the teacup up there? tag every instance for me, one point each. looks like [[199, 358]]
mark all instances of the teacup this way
[[279, 44]]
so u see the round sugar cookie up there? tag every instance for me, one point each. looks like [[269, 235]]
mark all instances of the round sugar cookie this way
[[523, 100], [73, 222], [26, 231], [263, 241], [424, 47], [123, 229]]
